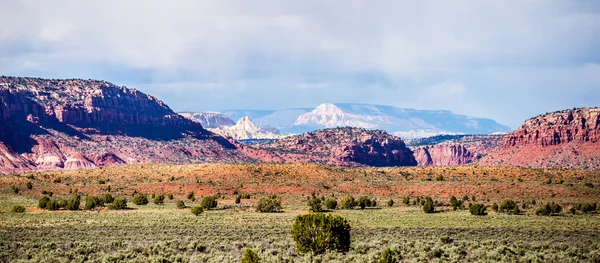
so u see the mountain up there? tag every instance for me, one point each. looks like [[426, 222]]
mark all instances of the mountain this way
[[453, 149], [342, 146], [74, 123], [245, 129], [562, 139], [212, 120], [408, 123]]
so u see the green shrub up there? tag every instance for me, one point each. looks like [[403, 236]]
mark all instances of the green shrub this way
[[118, 204], [590, 185], [548, 209], [366, 202], [101, 182], [170, 196], [15, 189], [92, 202], [238, 199], [29, 185], [107, 198], [387, 256], [348, 202], [74, 203], [190, 195], [250, 256], [314, 204], [269, 204], [57, 180], [331, 204], [507, 205], [180, 204], [43, 201], [52, 205], [317, 233], [197, 210], [159, 199], [477, 209], [455, 203], [428, 205], [140, 199], [18, 209], [390, 203], [406, 200], [465, 198], [495, 207], [588, 207], [209, 202]]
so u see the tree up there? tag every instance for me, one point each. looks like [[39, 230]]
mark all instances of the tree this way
[[197, 210], [269, 204], [209, 202], [348, 202], [317, 233], [250, 256], [477, 209], [140, 199]]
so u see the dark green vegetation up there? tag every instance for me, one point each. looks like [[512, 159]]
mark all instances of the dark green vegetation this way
[[477, 209], [269, 204], [318, 233]]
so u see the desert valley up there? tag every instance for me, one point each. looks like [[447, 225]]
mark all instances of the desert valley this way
[[93, 171]]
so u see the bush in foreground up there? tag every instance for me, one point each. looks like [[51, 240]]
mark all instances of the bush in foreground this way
[[140, 199], [477, 209], [318, 233], [18, 209], [250, 256], [269, 204], [197, 210]]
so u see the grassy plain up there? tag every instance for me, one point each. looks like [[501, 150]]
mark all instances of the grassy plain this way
[[163, 233]]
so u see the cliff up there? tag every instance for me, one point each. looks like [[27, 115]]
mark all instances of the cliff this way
[[453, 149]]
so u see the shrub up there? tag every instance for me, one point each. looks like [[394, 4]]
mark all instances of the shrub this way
[[363, 202], [92, 202], [140, 199], [590, 185], [455, 203], [159, 199], [439, 177], [74, 203], [548, 209], [43, 201], [387, 256], [15, 189], [390, 203], [238, 199], [107, 198], [269, 204], [197, 210], [190, 195], [331, 204], [587, 207], [52, 205], [18, 209], [29, 185], [495, 207], [317, 233], [101, 182], [406, 200], [465, 198], [477, 209], [180, 204], [507, 205], [170, 196], [428, 205], [118, 204], [209, 202], [250, 256], [314, 204], [57, 180], [348, 202]]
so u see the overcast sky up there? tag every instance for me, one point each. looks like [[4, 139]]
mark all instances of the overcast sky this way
[[506, 60]]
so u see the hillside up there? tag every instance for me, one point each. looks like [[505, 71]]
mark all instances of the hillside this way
[[209, 120], [343, 146], [54, 124], [566, 139]]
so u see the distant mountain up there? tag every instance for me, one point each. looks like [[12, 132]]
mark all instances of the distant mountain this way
[[209, 120], [453, 149], [245, 129], [408, 123], [562, 139]]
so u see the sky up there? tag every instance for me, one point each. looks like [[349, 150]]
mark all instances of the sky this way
[[502, 59]]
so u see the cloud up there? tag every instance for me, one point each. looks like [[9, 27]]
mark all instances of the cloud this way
[[266, 53]]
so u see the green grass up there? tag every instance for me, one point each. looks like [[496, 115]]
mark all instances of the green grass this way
[[163, 233]]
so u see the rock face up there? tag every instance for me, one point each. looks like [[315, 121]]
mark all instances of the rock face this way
[[343, 146], [245, 129], [566, 139], [70, 124], [453, 149], [209, 120]]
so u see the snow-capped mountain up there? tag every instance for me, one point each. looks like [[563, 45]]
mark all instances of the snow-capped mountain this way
[[245, 129], [407, 123]]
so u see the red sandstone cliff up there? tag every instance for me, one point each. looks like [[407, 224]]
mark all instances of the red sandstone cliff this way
[[453, 149]]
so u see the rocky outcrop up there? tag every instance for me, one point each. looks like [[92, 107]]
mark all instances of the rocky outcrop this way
[[209, 120], [562, 139], [453, 149], [343, 146]]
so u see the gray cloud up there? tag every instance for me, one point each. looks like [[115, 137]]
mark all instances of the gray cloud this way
[[502, 59]]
